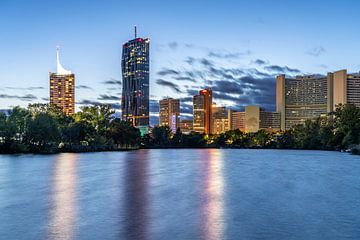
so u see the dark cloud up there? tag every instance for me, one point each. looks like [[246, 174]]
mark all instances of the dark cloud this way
[[45, 99], [227, 55], [260, 62], [84, 102], [173, 45], [25, 88], [316, 51], [228, 87], [185, 79], [113, 81], [83, 87], [167, 71], [154, 105], [279, 69], [27, 97], [105, 97], [171, 85]]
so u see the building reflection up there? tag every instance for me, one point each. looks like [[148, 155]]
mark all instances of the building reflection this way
[[212, 207], [64, 206], [136, 196]]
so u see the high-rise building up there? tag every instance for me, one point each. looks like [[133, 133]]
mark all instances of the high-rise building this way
[[202, 111], [307, 97], [343, 88], [254, 119], [62, 88], [301, 98], [169, 114], [135, 84], [220, 120]]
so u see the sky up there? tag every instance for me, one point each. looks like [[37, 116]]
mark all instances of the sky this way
[[237, 47]]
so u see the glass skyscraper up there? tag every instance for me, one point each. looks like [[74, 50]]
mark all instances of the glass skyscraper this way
[[135, 84]]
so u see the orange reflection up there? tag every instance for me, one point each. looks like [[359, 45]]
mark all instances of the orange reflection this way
[[213, 195], [63, 211]]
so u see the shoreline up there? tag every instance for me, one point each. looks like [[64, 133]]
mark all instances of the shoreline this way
[[165, 148]]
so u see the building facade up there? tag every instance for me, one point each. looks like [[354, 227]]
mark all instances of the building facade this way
[[186, 126], [254, 119], [135, 81], [202, 111], [169, 113], [307, 97], [301, 98], [220, 120], [344, 88], [62, 88]]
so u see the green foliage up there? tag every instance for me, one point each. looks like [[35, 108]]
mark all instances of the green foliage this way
[[45, 128]]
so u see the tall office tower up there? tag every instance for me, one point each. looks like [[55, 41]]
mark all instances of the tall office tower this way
[[62, 88], [301, 98], [343, 88], [202, 111], [169, 114], [220, 120], [135, 84]]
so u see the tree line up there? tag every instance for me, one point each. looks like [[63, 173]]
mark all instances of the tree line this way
[[42, 128], [338, 131]]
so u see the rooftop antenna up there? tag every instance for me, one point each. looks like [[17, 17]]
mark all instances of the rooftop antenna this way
[[135, 31]]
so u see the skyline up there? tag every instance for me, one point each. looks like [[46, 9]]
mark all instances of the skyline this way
[[187, 49]]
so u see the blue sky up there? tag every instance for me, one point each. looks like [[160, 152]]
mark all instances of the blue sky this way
[[235, 38]]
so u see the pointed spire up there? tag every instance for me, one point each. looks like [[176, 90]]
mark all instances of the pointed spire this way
[[135, 31], [59, 69]]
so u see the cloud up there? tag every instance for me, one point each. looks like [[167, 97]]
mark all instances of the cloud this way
[[222, 54], [83, 87], [316, 51], [86, 102], [279, 69], [27, 97], [167, 71], [228, 87], [173, 45], [154, 105], [260, 62], [105, 97], [113, 81], [25, 88], [185, 79], [171, 85]]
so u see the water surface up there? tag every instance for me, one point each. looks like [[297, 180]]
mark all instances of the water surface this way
[[181, 194]]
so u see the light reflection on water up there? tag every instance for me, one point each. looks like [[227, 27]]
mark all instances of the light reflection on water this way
[[64, 205], [213, 196], [181, 194], [136, 197]]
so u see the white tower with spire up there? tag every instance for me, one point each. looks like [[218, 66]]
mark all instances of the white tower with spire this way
[[62, 88], [60, 69]]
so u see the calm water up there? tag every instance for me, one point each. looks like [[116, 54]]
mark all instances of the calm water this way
[[181, 194]]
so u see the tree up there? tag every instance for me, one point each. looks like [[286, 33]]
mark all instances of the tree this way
[[42, 132]]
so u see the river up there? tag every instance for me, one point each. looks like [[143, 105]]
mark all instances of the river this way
[[181, 194]]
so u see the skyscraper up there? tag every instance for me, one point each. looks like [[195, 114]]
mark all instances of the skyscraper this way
[[62, 88], [307, 97], [203, 111], [169, 114], [343, 88], [301, 98], [135, 84]]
